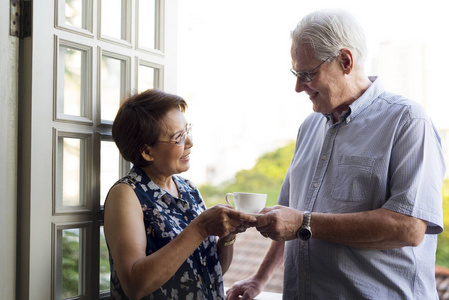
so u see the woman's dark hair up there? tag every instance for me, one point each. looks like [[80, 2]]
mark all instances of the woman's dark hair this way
[[139, 122]]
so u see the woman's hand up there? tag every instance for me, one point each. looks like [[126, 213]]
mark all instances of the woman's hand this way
[[222, 220], [245, 289]]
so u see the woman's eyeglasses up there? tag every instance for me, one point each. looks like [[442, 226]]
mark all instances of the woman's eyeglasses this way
[[180, 139]]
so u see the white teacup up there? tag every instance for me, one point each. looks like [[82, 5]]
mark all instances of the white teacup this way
[[249, 203]]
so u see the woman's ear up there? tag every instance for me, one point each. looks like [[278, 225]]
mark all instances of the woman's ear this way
[[146, 154], [346, 61]]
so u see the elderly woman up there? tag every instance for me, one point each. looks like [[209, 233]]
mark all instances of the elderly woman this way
[[161, 239]]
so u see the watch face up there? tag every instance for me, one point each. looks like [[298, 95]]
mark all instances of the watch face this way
[[304, 234]]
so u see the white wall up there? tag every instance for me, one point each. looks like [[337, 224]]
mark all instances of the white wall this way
[[9, 50]]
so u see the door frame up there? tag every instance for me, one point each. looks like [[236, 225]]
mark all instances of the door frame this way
[[37, 221]]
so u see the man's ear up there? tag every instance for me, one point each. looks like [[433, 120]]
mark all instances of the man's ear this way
[[346, 60], [146, 154]]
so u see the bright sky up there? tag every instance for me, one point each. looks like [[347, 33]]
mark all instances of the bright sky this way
[[234, 66]]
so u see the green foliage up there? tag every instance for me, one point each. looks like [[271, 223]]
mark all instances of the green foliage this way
[[70, 263], [442, 258], [265, 177], [104, 264]]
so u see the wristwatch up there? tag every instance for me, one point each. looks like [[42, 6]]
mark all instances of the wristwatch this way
[[304, 233]]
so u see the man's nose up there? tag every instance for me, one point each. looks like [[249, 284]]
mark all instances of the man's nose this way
[[300, 85]]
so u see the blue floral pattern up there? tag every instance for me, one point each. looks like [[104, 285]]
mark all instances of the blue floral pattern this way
[[164, 216]]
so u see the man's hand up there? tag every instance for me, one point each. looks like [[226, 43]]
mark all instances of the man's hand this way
[[279, 223]]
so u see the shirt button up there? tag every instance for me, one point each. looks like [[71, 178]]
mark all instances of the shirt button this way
[[324, 157], [315, 184], [204, 263], [332, 130], [303, 243]]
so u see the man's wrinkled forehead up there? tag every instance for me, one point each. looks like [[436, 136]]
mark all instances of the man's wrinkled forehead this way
[[302, 55]]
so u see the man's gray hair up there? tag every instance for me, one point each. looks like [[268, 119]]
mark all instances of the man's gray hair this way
[[328, 31]]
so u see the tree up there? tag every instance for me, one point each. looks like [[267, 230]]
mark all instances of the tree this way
[[264, 177], [442, 258]]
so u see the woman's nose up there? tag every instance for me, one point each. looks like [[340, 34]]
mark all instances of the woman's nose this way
[[189, 142]]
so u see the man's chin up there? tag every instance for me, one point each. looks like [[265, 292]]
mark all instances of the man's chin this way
[[319, 110]]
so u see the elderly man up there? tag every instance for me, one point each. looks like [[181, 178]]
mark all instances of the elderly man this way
[[361, 203]]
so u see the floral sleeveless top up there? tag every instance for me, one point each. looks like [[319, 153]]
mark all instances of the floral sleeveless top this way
[[164, 216]]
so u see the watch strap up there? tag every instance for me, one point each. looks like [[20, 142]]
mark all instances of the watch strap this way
[[306, 218]]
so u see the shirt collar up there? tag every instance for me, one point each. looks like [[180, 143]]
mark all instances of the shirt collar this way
[[183, 188], [365, 100]]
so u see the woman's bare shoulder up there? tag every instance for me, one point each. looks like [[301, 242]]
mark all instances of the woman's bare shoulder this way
[[121, 195]]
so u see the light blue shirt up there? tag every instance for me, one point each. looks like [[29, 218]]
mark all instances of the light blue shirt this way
[[384, 152]]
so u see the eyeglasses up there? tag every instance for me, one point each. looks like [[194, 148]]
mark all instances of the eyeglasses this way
[[305, 76], [180, 138]]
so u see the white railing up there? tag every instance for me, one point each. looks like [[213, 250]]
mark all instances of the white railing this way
[[269, 296], [266, 295]]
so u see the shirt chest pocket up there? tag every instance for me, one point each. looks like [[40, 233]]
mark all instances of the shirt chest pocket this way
[[352, 179]]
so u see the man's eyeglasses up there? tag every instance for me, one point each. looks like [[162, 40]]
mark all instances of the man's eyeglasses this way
[[306, 76], [180, 138]]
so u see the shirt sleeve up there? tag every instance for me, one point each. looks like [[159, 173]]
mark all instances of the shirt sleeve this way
[[284, 194], [417, 170]]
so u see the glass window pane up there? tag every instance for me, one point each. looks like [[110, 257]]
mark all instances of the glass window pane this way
[[70, 81], [70, 262], [69, 185], [147, 24], [147, 76], [111, 82], [74, 13], [104, 263], [110, 168], [112, 21]]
